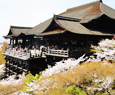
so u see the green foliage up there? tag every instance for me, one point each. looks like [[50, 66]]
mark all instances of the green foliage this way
[[73, 90], [28, 79], [72, 82], [93, 50], [70, 90], [68, 82], [2, 61]]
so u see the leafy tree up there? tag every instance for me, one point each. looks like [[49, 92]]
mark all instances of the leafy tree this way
[[2, 61]]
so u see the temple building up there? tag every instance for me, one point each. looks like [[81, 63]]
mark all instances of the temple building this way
[[66, 35]]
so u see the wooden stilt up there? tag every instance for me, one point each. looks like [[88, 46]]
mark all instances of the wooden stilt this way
[[5, 74], [28, 67], [22, 66], [17, 61], [9, 66]]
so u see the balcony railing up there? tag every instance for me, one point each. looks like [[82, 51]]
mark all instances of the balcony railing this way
[[31, 53], [60, 53], [23, 55], [64, 53], [35, 53]]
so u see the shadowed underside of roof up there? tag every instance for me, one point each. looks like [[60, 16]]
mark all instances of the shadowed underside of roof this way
[[103, 24], [8, 36], [58, 31]]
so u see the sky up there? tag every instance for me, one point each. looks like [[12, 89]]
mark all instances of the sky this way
[[29, 13]]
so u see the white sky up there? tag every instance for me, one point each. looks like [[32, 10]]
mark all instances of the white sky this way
[[29, 13]]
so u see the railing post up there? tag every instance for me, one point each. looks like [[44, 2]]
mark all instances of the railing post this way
[[5, 48], [13, 52], [68, 52], [29, 53], [48, 50]]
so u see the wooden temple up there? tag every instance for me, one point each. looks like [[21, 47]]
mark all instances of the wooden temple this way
[[67, 35]]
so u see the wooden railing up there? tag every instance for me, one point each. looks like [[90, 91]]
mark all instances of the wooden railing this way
[[60, 53], [64, 53], [31, 54], [18, 54], [35, 53]]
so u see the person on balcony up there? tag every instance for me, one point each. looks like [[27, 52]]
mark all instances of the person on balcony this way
[[42, 48]]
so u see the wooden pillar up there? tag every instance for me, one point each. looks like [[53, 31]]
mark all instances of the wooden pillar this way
[[15, 66], [31, 41], [22, 66], [28, 67], [5, 74], [17, 61], [23, 42], [28, 41], [16, 41], [20, 62], [13, 42], [10, 40], [9, 66]]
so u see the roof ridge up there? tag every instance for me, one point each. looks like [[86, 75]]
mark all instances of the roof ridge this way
[[21, 27], [66, 18], [85, 4]]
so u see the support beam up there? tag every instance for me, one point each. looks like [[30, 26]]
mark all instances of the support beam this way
[[28, 67]]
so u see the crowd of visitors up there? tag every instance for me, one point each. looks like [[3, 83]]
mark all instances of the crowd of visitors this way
[[17, 49], [41, 48]]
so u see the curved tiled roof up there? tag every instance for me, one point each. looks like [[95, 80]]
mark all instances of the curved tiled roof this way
[[17, 30], [85, 13], [90, 11], [41, 27], [71, 26], [74, 27]]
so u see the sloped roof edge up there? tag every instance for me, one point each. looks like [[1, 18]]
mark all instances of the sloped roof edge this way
[[89, 11], [40, 27], [85, 5], [73, 27], [17, 30], [110, 12], [20, 27]]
